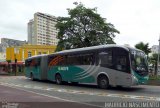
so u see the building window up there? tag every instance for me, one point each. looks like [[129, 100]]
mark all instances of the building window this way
[[29, 54], [39, 53]]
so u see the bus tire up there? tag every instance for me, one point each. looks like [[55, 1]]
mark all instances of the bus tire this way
[[32, 77], [103, 82], [58, 79]]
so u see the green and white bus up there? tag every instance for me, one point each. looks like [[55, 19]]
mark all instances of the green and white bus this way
[[103, 65]]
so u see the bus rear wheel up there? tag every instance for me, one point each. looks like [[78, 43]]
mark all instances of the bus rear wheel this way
[[58, 79], [103, 82]]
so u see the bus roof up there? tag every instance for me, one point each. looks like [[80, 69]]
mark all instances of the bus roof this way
[[91, 48], [135, 49], [127, 48], [36, 56]]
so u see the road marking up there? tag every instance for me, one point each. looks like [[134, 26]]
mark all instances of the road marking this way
[[51, 96], [85, 92]]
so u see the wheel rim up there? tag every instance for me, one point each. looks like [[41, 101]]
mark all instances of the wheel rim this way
[[103, 82]]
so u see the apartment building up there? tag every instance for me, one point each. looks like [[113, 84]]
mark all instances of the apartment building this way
[[42, 30]]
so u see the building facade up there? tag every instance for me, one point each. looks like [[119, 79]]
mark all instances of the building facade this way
[[12, 42], [31, 32], [6, 42], [22, 52], [42, 30], [2, 56], [154, 49]]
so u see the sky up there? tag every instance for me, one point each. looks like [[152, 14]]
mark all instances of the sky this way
[[137, 20]]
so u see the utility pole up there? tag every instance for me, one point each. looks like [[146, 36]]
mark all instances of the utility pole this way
[[158, 56], [15, 64]]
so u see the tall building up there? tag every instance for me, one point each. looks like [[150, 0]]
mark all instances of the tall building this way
[[42, 30], [30, 31]]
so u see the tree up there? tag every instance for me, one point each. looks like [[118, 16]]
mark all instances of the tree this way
[[83, 28], [144, 47]]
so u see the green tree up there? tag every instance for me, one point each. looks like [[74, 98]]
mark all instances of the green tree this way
[[144, 47], [83, 28]]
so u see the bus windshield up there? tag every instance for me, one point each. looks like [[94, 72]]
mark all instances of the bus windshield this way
[[139, 62]]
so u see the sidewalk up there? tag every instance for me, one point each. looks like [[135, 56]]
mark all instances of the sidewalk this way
[[3, 73]]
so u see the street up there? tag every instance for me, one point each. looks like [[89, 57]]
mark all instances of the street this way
[[21, 90]]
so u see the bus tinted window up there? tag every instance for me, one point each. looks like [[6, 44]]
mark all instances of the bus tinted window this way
[[106, 58], [122, 60], [121, 63], [28, 62], [62, 60], [82, 59], [33, 62]]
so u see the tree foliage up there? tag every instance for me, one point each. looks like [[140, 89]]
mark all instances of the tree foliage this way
[[144, 47], [83, 28]]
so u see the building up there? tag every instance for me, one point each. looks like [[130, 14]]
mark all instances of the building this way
[[5, 42], [154, 49], [22, 52], [2, 48], [42, 30], [12, 42], [2, 56], [31, 32]]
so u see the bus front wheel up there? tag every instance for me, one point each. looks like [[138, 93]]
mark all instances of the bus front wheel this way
[[103, 82], [58, 79]]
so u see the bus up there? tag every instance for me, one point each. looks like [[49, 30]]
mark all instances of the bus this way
[[104, 65]]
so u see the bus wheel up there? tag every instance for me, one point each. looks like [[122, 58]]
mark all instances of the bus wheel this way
[[103, 82], [58, 79], [32, 77]]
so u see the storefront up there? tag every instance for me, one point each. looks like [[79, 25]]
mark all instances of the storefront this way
[[11, 68]]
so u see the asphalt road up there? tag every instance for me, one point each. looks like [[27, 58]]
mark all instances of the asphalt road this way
[[83, 94], [16, 98]]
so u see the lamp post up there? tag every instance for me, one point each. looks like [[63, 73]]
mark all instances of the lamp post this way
[[15, 64], [158, 56], [15, 58]]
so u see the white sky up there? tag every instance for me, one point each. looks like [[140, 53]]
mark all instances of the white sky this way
[[137, 20]]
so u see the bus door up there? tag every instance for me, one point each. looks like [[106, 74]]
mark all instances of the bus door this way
[[122, 66], [36, 67], [106, 62]]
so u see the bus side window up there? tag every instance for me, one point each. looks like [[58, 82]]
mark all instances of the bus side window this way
[[62, 60], [28, 62], [72, 60], [87, 59], [106, 59], [121, 63], [122, 60]]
